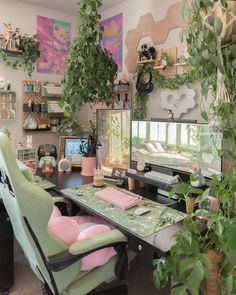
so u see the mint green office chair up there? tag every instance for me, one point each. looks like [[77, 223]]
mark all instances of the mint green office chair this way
[[56, 265]]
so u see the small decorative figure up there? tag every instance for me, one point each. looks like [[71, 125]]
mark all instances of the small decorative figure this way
[[170, 114], [126, 102], [165, 60], [17, 39], [8, 36], [4, 84], [147, 53], [118, 103], [29, 141]]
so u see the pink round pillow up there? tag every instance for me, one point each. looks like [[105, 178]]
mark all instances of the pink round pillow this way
[[55, 212], [64, 228], [99, 257]]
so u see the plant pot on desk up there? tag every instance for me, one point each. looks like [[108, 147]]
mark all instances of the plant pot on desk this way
[[88, 165]]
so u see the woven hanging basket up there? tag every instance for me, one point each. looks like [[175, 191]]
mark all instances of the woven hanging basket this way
[[211, 284], [227, 16]]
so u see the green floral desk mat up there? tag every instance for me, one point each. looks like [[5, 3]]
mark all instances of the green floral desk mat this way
[[157, 219], [43, 183]]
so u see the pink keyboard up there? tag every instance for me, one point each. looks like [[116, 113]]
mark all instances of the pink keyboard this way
[[120, 198]]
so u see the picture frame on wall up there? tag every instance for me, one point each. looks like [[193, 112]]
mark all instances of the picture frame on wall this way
[[113, 38]]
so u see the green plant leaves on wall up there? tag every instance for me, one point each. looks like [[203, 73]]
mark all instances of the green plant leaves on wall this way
[[29, 47]]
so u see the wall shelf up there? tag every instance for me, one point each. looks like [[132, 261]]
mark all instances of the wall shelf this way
[[37, 130], [149, 61], [12, 53], [36, 106]]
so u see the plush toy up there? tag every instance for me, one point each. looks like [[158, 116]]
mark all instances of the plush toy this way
[[29, 141], [4, 84]]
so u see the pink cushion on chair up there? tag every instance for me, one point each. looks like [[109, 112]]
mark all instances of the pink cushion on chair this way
[[99, 257], [67, 230], [55, 213], [64, 228]]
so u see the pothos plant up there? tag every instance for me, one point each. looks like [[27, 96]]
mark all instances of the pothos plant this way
[[29, 53], [188, 266], [90, 72], [159, 80]]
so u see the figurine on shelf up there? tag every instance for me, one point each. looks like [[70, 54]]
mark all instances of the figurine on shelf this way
[[118, 103], [165, 60], [147, 53], [17, 39], [126, 102], [30, 123], [29, 141], [8, 36], [170, 114], [4, 84]]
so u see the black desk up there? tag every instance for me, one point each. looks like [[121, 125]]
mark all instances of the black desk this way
[[140, 280], [160, 242]]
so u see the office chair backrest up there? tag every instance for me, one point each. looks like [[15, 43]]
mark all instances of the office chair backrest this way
[[29, 208]]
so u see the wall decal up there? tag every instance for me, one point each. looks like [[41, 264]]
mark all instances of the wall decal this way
[[113, 37], [54, 37], [157, 30], [179, 101]]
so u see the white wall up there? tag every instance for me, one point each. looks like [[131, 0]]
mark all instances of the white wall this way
[[23, 15], [132, 11]]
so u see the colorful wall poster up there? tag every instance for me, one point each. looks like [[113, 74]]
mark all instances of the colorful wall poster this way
[[113, 37], [54, 38]]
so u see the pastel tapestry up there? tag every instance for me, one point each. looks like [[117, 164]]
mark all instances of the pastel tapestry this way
[[112, 37], [54, 37]]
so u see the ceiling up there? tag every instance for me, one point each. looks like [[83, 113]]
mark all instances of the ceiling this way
[[69, 6]]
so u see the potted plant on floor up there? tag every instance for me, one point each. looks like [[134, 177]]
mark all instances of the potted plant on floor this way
[[90, 72], [201, 261], [88, 150]]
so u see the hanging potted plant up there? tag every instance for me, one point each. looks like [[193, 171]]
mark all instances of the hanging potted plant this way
[[90, 70], [88, 150]]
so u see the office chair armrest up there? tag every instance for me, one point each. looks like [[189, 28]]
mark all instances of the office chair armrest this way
[[80, 249], [60, 200], [102, 240]]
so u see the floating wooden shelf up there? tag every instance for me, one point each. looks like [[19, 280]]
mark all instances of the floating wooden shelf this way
[[180, 64], [159, 67], [149, 61], [6, 91], [12, 53], [37, 130]]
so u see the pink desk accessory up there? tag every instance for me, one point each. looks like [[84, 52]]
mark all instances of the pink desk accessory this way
[[120, 198]]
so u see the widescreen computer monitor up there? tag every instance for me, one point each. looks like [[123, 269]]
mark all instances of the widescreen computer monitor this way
[[177, 146], [113, 132], [72, 149]]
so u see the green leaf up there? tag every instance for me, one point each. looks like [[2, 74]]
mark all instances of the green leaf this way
[[230, 282], [218, 25], [182, 290], [204, 115]]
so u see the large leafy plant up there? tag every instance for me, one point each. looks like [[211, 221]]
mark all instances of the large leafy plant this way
[[90, 68], [213, 59]]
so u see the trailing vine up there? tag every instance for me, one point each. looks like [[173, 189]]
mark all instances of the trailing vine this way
[[91, 71], [139, 111]]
